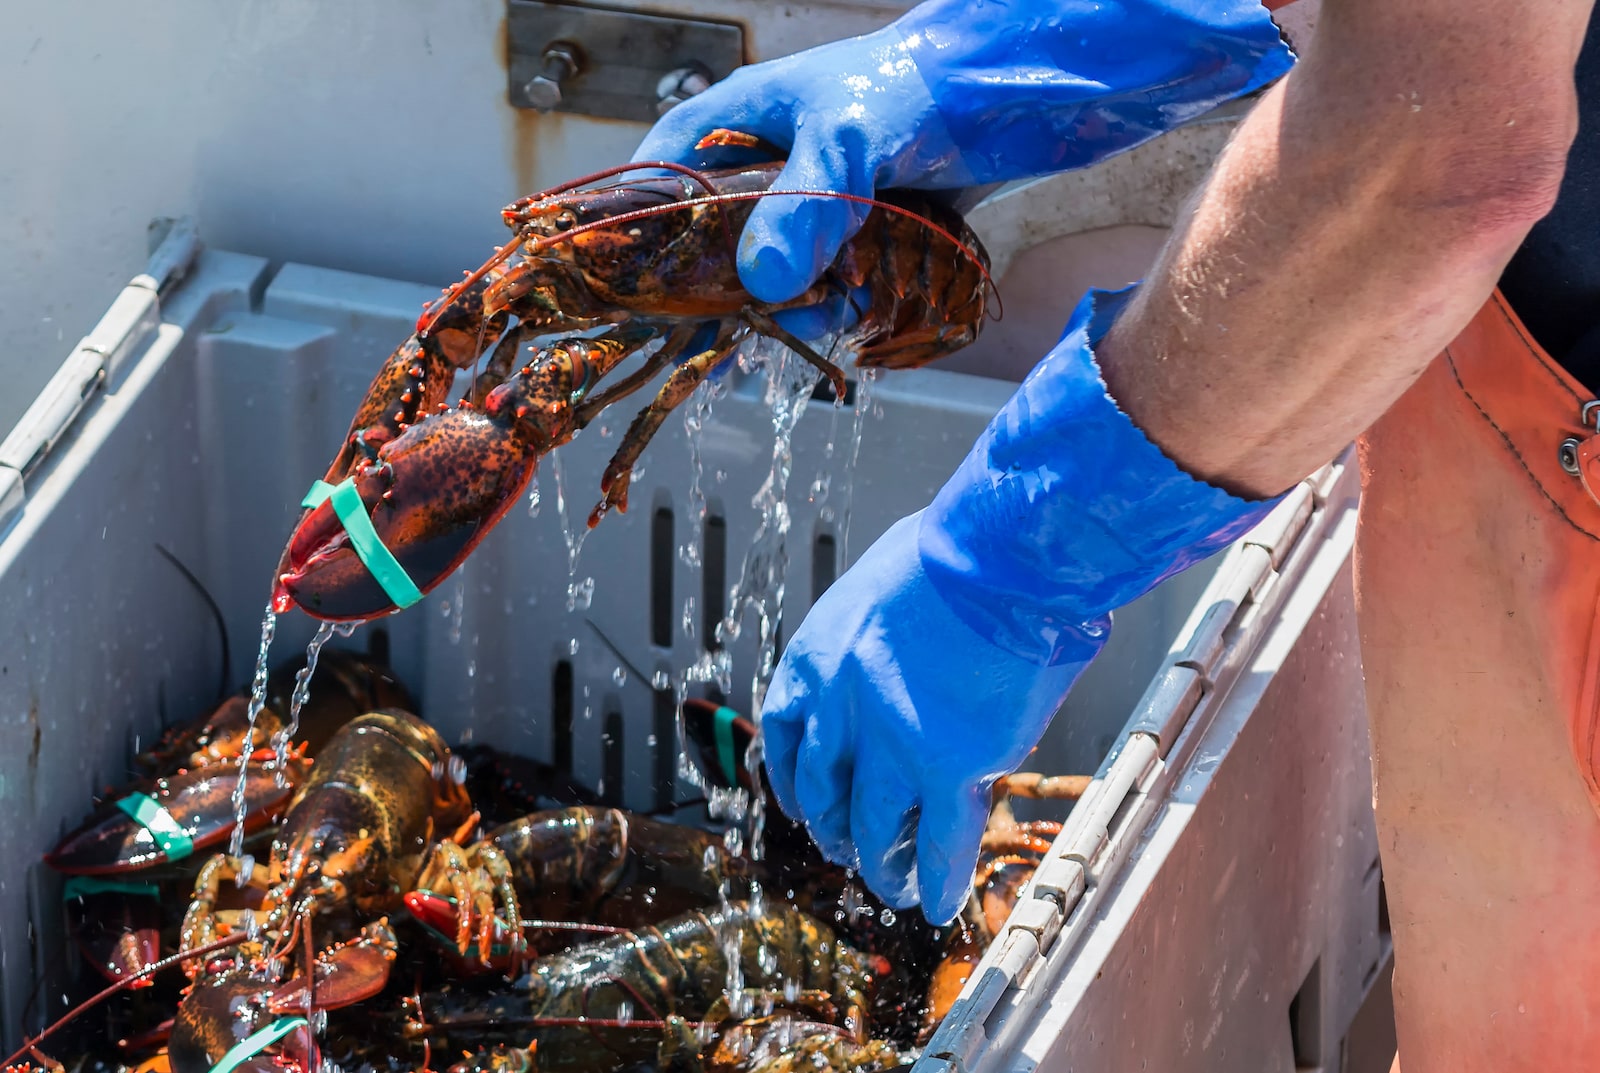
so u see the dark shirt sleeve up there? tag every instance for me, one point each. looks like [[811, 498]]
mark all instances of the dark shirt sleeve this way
[[1553, 281]]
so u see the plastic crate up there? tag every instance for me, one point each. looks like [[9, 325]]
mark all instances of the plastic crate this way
[[218, 385]]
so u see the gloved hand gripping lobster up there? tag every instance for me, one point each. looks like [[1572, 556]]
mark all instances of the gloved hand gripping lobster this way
[[931, 667]]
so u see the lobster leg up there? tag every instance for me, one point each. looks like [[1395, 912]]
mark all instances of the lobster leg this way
[[679, 386], [760, 322], [417, 376], [1031, 837], [1033, 785], [502, 364], [674, 346]]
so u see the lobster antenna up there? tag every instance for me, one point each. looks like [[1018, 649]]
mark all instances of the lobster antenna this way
[[122, 985], [618, 169], [216, 614], [966, 251], [696, 174], [437, 308]]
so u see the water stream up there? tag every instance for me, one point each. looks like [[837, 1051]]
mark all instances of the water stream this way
[[258, 700]]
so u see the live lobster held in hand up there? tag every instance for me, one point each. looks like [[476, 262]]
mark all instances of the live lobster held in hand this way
[[647, 264]]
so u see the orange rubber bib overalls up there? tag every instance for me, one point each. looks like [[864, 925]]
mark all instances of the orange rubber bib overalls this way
[[1478, 587]]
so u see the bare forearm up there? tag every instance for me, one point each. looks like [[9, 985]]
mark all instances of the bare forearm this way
[[1360, 216]]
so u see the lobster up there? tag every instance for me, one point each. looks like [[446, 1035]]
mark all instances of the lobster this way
[[579, 1005], [1009, 854], [355, 838], [780, 1042], [643, 260], [591, 864], [133, 856]]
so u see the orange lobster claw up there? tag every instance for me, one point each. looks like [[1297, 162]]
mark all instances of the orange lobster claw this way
[[353, 972], [435, 491], [432, 496]]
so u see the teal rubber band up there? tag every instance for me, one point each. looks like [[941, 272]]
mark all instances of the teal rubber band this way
[[723, 726], [320, 490], [257, 1042], [163, 826], [379, 560], [77, 886]]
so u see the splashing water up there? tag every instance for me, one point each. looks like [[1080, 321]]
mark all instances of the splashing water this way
[[258, 700], [694, 422], [790, 382], [580, 594], [533, 495], [302, 693], [863, 404], [573, 536], [456, 609]]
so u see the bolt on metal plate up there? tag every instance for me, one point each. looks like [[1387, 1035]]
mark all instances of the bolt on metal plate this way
[[612, 64]]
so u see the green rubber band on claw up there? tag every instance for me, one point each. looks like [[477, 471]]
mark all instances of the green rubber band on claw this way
[[723, 726], [78, 886], [163, 826], [257, 1042], [378, 559]]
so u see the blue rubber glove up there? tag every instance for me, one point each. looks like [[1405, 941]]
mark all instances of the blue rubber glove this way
[[934, 664], [963, 92]]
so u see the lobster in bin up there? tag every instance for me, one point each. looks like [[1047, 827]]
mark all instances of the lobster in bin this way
[[649, 262]]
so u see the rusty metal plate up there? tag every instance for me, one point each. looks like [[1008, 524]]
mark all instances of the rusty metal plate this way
[[622, 64]]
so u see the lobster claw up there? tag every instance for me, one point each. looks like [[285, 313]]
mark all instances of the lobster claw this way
[[718, 739], [349, 973], [438, 914], [181, 815], [392, 532], [116, 926]]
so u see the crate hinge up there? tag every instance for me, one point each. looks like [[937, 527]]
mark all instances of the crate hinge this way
[[1104, 824], [97, 364]]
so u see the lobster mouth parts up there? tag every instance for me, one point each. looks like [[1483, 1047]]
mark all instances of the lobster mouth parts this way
[[388, 536]]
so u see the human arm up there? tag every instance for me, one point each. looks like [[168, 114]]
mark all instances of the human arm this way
[[1360, 215], [1344, 236]]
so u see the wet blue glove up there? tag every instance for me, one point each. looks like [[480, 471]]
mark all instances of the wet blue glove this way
[[963, 92], [934, 664]]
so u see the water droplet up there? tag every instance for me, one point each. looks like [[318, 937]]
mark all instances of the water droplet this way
[[572, 646], [660, 680], [888, 917], [580, 595], [458, 771], [619, 677], [247, 867]]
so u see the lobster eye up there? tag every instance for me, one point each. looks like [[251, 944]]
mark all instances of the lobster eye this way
[[566, 220]]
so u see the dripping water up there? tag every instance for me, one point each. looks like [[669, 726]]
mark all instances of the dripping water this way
[[302, 693], [864, 404], [258, 700], [790, 382]]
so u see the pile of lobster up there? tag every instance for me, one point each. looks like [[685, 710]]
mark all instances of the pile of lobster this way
[[646, 265], [405, 906]]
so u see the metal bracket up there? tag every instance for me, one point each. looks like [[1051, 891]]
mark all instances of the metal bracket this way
[[612, 64]]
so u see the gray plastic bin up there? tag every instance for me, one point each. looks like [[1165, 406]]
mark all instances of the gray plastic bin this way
[[1222, 865]]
